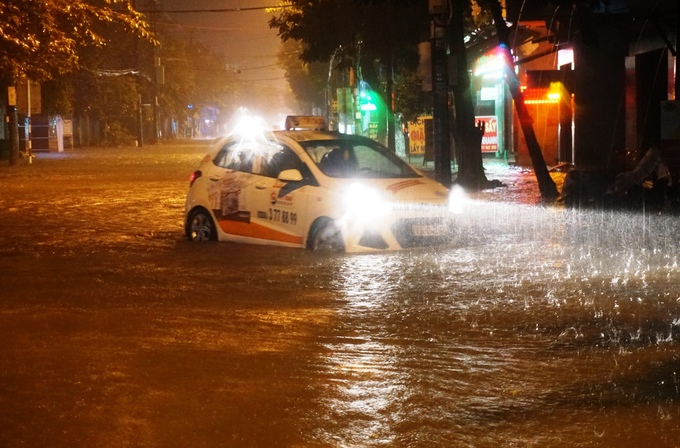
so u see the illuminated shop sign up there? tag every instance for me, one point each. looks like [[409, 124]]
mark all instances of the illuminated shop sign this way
[[490, 138]]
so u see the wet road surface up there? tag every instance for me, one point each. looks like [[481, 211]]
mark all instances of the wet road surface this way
[[536, 327]]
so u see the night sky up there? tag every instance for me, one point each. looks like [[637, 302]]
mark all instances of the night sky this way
[[243, 37]]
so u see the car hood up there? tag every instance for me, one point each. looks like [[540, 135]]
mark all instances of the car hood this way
[[410, 190]]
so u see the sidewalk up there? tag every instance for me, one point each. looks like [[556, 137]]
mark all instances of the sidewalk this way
[[519, 183]]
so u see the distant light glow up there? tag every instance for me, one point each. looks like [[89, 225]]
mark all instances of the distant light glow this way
[[250, 126], [542, 101], [553, 95], [251, 133], [247, 125], [492, 65], [488, 93], [564, 57], [366, 102]]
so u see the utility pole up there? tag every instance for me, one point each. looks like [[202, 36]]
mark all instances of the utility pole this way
[[140, 111], [156, 76], [439, 13], [140, 120], [13, 125], [677, 58], [157, 70], [29, 144], [391, 126]]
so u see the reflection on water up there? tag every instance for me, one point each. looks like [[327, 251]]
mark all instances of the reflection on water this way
[[539, 326]]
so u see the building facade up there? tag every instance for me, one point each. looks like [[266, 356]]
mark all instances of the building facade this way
[[600, 83]]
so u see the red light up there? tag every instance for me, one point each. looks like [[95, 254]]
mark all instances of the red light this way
[[195, 175]]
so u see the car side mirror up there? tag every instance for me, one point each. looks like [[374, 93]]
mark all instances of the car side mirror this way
[[292, 175]]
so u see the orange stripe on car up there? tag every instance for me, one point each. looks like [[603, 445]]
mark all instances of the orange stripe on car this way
[[394, 188], [253, 230]]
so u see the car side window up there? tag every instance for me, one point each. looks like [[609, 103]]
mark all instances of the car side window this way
[[221, 158], [280, 160], [372, 163], [340, 162], [235, 157], [375, 161]]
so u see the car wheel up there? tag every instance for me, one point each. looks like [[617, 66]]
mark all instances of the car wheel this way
[[201, 227], [326, 237]]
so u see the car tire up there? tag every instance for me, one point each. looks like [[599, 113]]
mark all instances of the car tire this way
[[325, 236], [200, 226]]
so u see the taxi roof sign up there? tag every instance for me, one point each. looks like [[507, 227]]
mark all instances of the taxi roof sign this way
[[306, 122]]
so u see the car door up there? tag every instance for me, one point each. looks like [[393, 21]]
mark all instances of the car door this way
[[229, 191], [279, 207]]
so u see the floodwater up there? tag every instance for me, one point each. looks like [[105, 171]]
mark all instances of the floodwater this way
[[538, 326]]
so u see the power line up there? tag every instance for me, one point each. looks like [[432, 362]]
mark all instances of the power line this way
[[172, 27], [260, 67], [252, 8], [258, 80]]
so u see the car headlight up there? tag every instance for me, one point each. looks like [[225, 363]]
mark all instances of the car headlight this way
[[364, 203], [457, 199]]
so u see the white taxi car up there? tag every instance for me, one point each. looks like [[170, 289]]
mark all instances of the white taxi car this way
[[310, 188]]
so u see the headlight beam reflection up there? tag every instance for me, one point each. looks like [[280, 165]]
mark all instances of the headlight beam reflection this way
[[366, 382]]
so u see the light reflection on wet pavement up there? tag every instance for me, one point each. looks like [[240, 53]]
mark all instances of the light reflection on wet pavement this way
[[539, 326]]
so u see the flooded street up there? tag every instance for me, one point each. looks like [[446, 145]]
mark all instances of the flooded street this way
[[537, 326]]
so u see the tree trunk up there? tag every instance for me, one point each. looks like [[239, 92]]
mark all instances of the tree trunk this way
[[13, 128], [546, 185], [469, 144], [391, 126], [440, 107]]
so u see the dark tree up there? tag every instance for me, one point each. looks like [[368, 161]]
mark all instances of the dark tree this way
[[381, 36], [377, 38], [41, 39], [307, 80], [468, 141]]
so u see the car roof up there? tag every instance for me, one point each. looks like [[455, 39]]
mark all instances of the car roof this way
[[295, 135], [309, 135]]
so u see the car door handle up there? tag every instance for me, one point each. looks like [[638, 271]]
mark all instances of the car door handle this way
[[260, 187], [215, 179]]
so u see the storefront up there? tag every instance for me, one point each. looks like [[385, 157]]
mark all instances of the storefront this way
[[545, 79], [492, 103]]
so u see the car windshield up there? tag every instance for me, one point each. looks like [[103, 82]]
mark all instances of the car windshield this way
[[357, 158]]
